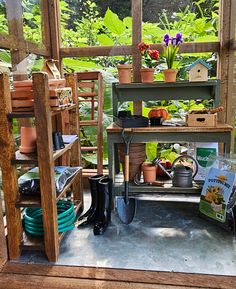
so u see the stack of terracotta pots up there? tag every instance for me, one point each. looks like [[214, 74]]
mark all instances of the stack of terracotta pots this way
[[137, 156]]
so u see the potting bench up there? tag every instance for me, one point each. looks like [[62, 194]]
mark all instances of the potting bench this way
[[182, 90]]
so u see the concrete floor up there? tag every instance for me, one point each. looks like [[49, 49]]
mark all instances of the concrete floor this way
[[164, 236]]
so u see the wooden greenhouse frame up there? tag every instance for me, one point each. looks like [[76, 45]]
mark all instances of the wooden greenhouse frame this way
[[19, 275]]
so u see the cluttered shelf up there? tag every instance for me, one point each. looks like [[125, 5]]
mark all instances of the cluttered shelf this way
[[37, 243], [171, 129], [34, 200], [31, 158], [30, 114], [163, 186]]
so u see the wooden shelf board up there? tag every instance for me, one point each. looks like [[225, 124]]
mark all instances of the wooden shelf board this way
[[32, 158], [167, 187], [32, 243], [67, 187], [67, 147], [157, 84], [19, 114], [25, 158], [28, 202], [56, 110]]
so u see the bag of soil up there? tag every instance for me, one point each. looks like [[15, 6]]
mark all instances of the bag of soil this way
[[29, 183]]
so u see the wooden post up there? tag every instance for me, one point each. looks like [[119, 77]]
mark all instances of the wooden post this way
[[226, 58], [3, 243], [46, 164], [9, 173], [136, 39], [15, 26], [44, 6], [55, 31]]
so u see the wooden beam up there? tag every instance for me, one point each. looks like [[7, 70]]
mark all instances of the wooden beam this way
[[122, 275], [191, 47], [224, 52], [96, 51], [11, 42], [137, 16], [54, 25], [44, 7], [15, 27], [9, 173], [46, 164]]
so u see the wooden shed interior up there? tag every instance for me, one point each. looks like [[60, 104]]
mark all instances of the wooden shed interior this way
[[14, 274]]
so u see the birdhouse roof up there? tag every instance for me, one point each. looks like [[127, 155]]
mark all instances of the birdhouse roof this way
[[202, 62]]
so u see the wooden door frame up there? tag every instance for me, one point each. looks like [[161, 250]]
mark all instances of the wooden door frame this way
[[30, 274]]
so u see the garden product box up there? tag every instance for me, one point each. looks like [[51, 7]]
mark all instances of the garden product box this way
[[61, 97], [201, 120], [205, 155]]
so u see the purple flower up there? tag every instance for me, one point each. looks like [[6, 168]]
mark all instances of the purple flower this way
[[173, 41], [166, 39], [179, 38]]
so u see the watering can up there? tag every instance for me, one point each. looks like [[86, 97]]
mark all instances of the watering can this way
[[181, 174]]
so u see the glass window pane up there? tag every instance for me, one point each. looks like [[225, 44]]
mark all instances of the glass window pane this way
[[96, 23], [196, 20], [3, 17], [32, 20]]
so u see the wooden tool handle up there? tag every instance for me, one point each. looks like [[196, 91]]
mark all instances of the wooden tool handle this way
[[126, 168]]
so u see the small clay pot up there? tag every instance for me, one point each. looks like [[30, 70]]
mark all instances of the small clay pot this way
[[170, 75], [28, 140], [124, 73], [147, 74], [149, 172]]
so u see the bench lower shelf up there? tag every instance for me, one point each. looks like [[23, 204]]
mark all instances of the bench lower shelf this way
[[167, 188]]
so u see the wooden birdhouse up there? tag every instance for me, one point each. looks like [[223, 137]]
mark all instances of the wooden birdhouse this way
[[198, 70], [51, 68]]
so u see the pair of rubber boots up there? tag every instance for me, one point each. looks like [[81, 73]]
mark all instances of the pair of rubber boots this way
[[99, 212]]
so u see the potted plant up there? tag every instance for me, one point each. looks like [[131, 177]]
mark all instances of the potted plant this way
[[150, 58], [170, 49]]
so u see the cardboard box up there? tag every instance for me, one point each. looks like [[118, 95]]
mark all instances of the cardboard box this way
[[201, 120]]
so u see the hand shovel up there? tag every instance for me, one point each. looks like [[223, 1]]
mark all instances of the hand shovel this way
[[126, 206]]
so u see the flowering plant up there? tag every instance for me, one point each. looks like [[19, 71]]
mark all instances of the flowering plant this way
[[150, 56], [171, 47]]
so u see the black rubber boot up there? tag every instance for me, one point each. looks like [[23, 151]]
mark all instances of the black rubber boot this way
[[104, 206], [90, 215]]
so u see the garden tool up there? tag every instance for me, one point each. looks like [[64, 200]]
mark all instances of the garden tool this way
[[126, 206]]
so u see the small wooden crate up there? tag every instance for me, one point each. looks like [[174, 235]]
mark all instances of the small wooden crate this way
[[201, 120]]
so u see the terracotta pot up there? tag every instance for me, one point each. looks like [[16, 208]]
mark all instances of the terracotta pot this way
[[137, 156], [124, 73], [28, 140], [170, 75], [147, 74], [149, 172]]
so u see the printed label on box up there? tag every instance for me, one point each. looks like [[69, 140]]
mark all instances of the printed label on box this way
[[215, 194]]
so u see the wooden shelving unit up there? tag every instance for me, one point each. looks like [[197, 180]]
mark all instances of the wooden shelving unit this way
[[46, 120]]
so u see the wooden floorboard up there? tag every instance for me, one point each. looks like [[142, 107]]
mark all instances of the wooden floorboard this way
[[89, 277]]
